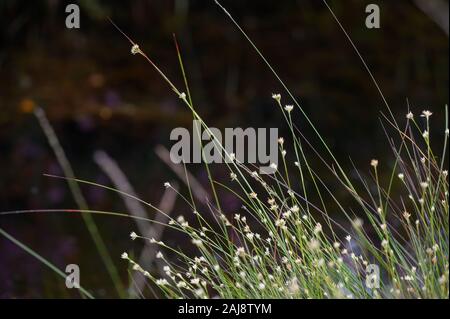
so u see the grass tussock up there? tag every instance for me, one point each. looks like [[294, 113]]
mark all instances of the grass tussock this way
[[284, 242]]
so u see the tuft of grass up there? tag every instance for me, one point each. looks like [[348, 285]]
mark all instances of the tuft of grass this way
[[285, 244]]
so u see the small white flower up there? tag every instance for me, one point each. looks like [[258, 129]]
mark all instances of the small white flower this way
[[424, 185], [297, 164], [181, 284], [232, 156], [197, 242], [162, 282], [167, 185], [135, 49], [276, 97], [133, 235], [273, 166], [180, 219], [317, 228], [240, 251], [425, 134], [384, 243], [281, 141], [426, 114], [182, 96], [137, 267], [233, 176], [280, 222], [401, 176], [253, 195], [409, 116], [374, 163], [295, 209], [348, 238], [124, 256], [261, 286], [407, 278], [314, 244], [289, 108], [195, 281], [446, 131], [287, 214], [445, 173], [159, 255]]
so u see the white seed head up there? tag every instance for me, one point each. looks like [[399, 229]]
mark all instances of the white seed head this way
[[276, 97], [424, 185], [409, 116], [426, 114], [374, 163], [135, 49], [289, 108]]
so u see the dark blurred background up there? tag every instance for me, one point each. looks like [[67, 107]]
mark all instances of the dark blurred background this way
[[98, 96]]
